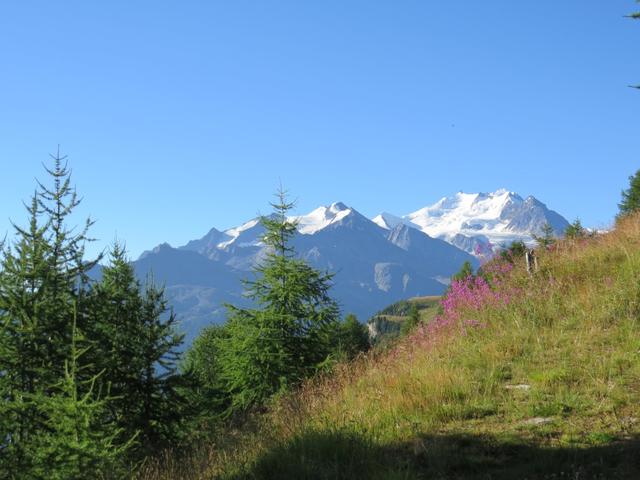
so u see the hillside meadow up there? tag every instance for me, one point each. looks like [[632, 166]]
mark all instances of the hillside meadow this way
[[534, 376]]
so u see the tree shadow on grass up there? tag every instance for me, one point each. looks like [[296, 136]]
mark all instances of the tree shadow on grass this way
[[350, 456]]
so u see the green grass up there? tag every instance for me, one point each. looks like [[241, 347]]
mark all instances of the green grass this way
[[549, 389], [391, 319]]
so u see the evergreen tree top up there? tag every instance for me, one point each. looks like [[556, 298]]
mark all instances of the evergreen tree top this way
[[631, 196], [288, 335], [279, 229], [50, 211]]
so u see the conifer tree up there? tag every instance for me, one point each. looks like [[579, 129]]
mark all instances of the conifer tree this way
[[73, 443], [287, 337], [43, 277], [514, 252], [547, 239], [575, 230], [135, 342], [159, 381], [204, 390], [202, 358], [22, 298], [353, 337], [631, 196]]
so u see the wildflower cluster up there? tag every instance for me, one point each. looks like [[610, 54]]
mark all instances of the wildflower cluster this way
[[484, 251], [466, 298]]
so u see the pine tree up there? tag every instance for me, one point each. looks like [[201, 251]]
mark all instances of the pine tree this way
[[575, 230], [43, 277], [202, 357], [114, 331], [73, 443], [287, 337], [547, 239], [631, 196], [160, 382], [351, 338], [135, 342], [204, 389], [68, 269], [22, 299], [514, 252]]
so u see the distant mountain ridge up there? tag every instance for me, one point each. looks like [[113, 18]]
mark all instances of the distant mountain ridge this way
[[480, 223], [376, 262]]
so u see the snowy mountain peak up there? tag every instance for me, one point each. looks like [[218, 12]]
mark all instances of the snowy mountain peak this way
[[338, 207], [474, 222], [378, 262], [321, 218], [491, 219], [234, 233], [388, 221], [249, 234], [463, 211], [504, 191]]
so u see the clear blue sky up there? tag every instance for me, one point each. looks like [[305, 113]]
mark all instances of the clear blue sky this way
[[180, 116]]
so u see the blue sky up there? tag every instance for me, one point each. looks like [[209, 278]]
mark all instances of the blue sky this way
[[181, 116]]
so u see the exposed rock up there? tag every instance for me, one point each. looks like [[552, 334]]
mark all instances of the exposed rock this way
[[539, 421]]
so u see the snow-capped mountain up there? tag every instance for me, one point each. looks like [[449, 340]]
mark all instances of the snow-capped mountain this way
[[321, 218], [480, 222], [376, 262], [373, 266]]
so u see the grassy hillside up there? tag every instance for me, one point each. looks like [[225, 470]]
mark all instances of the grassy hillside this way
[[386, 325], [537, 377]]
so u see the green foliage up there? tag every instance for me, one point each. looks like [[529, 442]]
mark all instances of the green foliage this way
[[43, 280], [86, 369], [385, 330], [136, 343], [202, 358], [399, 318], [400, 308], [412, 320], [465, 272], [631, 196], [575, 230], [72, 441], [516, 251], [547, 239], [288, 336], [543, 385], [205, 391], [352, 338]]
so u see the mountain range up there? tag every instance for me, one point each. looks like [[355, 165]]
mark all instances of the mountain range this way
[[481, 223], [376, 261]]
